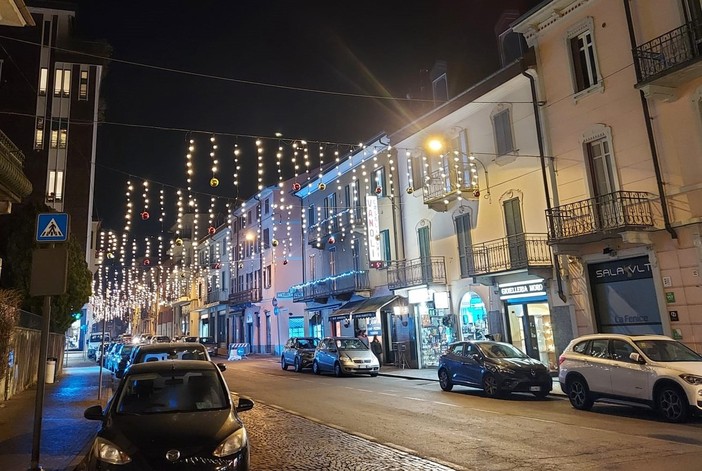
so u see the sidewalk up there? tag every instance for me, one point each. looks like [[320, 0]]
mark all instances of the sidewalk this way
[[430, 374], [64, 403]]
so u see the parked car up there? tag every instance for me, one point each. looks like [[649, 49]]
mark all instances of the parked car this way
[[168, 415], [299, 352], [95, 340], [495, 367], [103, 357], [120, 359], [209, 344], [651, 370], [169, 351], [160, 339], [344, 355]]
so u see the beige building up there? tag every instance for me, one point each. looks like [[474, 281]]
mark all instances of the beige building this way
[[624, 133]]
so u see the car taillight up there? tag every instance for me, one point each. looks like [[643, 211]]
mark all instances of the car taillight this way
[[561, 359]]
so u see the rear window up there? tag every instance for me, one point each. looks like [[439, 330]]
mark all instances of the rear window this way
[[172, 354], [307, 343], [580, 347]]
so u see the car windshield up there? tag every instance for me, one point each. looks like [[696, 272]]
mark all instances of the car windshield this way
[[152, 393], [350, 344], [500, 350], [667, 350], [307, 343]]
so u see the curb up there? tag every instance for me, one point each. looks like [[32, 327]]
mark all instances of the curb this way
[[553, 392]]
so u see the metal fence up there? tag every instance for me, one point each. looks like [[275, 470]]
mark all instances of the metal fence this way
[[419, 271]]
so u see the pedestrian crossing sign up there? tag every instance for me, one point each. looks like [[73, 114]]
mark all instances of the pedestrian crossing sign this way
[[52, 227]]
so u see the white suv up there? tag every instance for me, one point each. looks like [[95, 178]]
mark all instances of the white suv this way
[[652, 370]]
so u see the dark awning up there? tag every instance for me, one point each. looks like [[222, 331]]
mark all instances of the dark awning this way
[[370, 306], [344, 311]]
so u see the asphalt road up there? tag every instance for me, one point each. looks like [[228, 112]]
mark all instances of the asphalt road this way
[[462, 429]]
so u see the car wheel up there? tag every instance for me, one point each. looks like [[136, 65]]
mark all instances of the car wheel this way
[[283, 364], [672, 404], [490, 386], [445, 380], [373, 375], [579, 394], [337, 370], [315, 368], [540, 394]]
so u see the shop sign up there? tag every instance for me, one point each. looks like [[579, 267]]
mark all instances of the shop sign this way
[[670, 297], [373, 228], [528, 288], [284, 294], [673, 316], [416, 296], [621, 270], [373, 328]]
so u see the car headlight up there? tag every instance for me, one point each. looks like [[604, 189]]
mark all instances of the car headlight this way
[[232, 444], [692, 379], [108, 452], [499, 369], [345, 359]]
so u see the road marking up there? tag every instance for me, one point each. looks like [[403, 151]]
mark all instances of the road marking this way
[[446, 404], [388, 394], [415, 399]]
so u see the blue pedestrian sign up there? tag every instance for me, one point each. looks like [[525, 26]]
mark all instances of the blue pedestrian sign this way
[[52, 227]]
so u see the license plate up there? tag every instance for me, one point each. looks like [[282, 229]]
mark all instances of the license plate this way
[[535, 388]]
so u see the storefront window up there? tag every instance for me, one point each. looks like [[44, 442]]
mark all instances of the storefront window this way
[[530, 331], [474, 324], [437, 330]]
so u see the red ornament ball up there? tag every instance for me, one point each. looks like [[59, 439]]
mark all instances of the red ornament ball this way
[[211, 230], [378, 190], [296, 186], [476, 193], [145, 215], [147, 262], [331, 240]]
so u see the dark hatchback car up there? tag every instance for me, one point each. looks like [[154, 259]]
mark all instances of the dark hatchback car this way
[[170, 415], [495, 367], [299, 353]]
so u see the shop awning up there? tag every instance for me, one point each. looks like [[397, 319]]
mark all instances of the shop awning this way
[[370, 306], [344, 311]]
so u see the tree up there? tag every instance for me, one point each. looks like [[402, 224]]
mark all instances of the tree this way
[[16, 246]]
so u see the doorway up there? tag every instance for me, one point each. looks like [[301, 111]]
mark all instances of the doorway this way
[[530, 330]]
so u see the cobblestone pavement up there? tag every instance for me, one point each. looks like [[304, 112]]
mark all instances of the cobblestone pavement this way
[[282, 441]]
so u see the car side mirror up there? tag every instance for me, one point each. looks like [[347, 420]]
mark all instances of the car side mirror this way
[[475, 356], [222, 366], [94, 413], [244, 404], [635, 357]]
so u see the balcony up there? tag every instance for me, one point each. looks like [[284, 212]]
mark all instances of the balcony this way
[[517, 252], [671, 59], [442, 188], [420, 271], [598, 218], [252, 295], [217, 296], [332, 286]]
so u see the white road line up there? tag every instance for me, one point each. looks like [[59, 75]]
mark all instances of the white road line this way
[[388, 394], [445, 404], [415, 399]]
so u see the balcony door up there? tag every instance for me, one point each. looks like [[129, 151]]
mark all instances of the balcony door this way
[[424, 239], [516, 244], [693, 12], [602, 178], [465, 249]]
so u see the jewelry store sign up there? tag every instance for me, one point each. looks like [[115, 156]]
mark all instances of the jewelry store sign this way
[[522, 289]]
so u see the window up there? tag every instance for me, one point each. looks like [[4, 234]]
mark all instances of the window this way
[[330, 205], [600, 348], [414, 172], [267, 206], [357, 199], [43, 80], [46, 34], [349, 201], [83, 87], [502, 123], [66, 85], [379, 180], [385, 245], [54, 186], [296, 327], [249, 218], [267, 277], [326, 209], [621, 350], [266, 238], [601, 166], [59, 134], [583, 56], [39, 134], [440, 88], [311, 220]]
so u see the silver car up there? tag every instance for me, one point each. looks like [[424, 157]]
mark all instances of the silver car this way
[[344, 355]]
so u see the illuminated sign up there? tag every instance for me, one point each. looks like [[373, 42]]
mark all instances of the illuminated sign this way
[[522, 289], [373, 228]]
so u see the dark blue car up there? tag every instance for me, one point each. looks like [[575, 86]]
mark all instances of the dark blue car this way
[[495, 367]]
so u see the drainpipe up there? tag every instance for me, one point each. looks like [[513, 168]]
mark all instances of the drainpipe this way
[[649, 131], [540, 139]]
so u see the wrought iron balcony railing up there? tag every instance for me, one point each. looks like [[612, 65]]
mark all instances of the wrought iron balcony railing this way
[[419, 271], [332, 286], [344, 219], [510, 253], [252, 295], [613, 212], [668, 52], [217, 295], [443, 185]]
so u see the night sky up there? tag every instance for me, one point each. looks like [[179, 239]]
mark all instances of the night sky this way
[[359, 47]]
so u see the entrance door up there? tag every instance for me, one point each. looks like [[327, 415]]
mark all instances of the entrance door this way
[[530, 331], [515, 235]]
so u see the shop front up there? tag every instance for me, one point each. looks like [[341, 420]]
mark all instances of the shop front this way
[[436, 327], [473, 317], [528, 319]]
